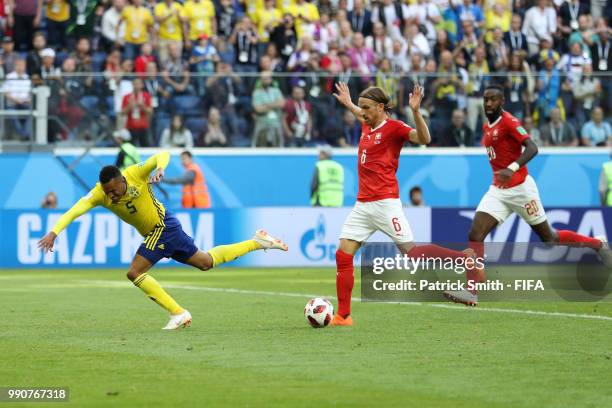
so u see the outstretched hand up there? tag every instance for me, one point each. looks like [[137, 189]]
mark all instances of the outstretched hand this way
[[46, 243], [416, 96], [157, 176], [343, 94]]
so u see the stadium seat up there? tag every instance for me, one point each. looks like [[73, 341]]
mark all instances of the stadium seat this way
[[196, 126], [161, 123], [97, 61], [187, 105], [89, 103]]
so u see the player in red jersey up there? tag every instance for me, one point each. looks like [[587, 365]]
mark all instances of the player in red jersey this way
[[513, 190], [378, 206]]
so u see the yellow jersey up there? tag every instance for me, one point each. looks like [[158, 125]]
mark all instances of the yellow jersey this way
[[199, 15], [137, 23], [58, 10], [138, 206], [307, 10], [265, 17], [171, 28]]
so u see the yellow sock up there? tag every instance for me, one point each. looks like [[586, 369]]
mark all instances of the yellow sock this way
[[225, 253], [155, 292]]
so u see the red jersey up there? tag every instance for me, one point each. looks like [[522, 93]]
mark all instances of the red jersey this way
[[503, 140], [378, 158], [137, 119]]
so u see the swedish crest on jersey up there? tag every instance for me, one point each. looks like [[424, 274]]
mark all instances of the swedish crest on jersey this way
[[133, 192]]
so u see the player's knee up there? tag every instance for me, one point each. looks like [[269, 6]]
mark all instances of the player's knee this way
[[132, 274]]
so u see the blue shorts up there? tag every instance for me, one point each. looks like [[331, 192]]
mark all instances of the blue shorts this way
[[169, 241]]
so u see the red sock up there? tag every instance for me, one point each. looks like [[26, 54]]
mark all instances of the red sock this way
[[475, 274], [434, 251], [344, 282], [570, 237]]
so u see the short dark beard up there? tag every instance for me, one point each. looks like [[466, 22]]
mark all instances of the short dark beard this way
[[492, 118]]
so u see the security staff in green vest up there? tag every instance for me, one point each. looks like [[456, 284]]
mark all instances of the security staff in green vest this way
[[127, 151], [327, 186], [605, 184]]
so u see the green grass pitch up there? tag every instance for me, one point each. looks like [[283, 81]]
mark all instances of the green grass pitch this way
[[92, 331]]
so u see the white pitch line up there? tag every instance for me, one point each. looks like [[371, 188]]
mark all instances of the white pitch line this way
[[356, 299]]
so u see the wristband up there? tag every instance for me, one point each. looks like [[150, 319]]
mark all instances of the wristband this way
[[514, 166]]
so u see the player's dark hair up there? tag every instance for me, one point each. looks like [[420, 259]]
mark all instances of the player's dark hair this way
[[187, 153], [378, 95], [496, 87], [108, 173]]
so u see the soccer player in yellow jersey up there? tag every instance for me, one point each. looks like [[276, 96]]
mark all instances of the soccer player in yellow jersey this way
[[129, 195]]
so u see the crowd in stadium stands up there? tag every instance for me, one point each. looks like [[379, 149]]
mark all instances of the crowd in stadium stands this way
[[261, 72]]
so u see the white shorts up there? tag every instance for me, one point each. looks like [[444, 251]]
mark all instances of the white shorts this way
[[385, 215], [523, 199]]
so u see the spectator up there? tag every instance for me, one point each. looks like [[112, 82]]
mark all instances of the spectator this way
[[379, 42], [498, 56], [34, 59], [49, 201], [112, 71], [244, 39], [113, 32], [200, 18], [26, 18], [17, 89], [457, 134], [345, 36], [586, 93], [472, 13], [569, 12], [146, 56], [154, 86], [478, 80], [267, 104], [596, 132], [136, 107], [84, 21], [82, 58], [426, 15], [571, 64], [605, 184], [534, 133], [360, 18], [215, 135], [548, 86], [138, 28], [600, 51], [515, 40], [170, 18], [443, 43], [222, 90], [415, 197], [226, 18], [306, 16], [386, 80], [517, 86], [327, 185], [331, 62], [48, 70], [558, 132], [540, 21], [203, 58], [362, 57], [267, 19], [399, 58], [351, 130], [9, 56], [128, 154], [72, 88], [275, 62], [446, 87], [393, 15], [416, 41], [348, 76], [497, 17], [285, 38], [297, 121], [176, 73], [299, 59], [195, 191], [469, 40], [177, 135], [585, 35], [324, 33], [58, 13]]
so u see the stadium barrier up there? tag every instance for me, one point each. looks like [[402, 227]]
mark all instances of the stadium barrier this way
[[100, 239], [239, 178]]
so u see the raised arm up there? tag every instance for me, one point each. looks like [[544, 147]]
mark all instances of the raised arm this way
[[157, 162], [344, 97], [81, 207], [420, 135]]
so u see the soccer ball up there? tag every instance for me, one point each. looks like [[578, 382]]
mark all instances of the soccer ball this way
[[319, 312]]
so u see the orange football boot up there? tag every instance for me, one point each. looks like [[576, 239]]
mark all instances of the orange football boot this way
[[342, 321]]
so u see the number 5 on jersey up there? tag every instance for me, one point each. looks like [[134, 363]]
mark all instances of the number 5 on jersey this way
[[131, 207]]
